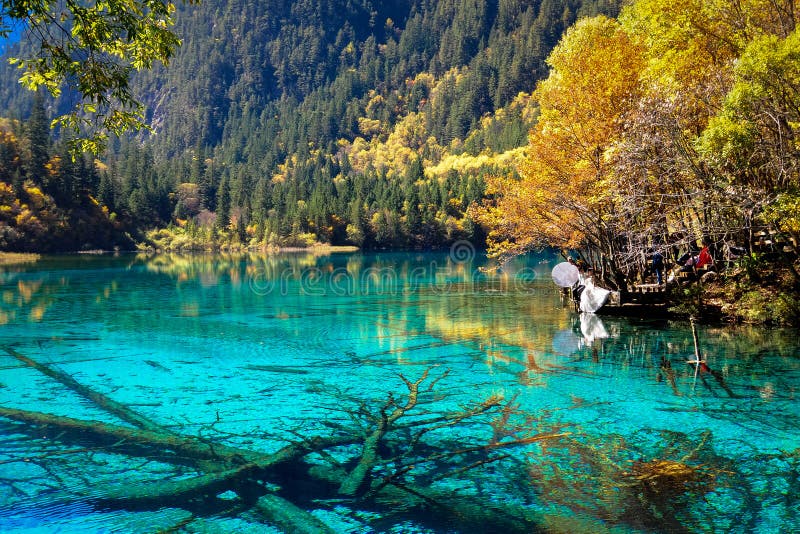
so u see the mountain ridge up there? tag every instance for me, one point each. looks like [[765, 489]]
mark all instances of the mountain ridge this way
[[310, 120]]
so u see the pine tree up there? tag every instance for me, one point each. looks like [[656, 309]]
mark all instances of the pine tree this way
[[223, 205], [38, 133], [106, 194]]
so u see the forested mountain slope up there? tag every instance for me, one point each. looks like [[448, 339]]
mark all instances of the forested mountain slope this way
[[371, 123]]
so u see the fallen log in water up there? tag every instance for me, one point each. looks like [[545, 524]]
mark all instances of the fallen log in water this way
[[154, 440], [104, 402], [174, 448], [445, 510], [288, 517], [263, 506], [171, 493], [167, 447], [131, 441], [357, 478], [250, 473]]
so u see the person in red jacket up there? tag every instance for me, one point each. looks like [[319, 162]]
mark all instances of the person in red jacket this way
[[704, 258]]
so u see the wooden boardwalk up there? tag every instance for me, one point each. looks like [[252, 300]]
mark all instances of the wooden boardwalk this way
[[647, 294]]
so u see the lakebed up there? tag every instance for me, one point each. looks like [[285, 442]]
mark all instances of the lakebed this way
[[561, 420]]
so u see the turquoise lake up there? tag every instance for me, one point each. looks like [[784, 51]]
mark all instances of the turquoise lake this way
[[493, 406]]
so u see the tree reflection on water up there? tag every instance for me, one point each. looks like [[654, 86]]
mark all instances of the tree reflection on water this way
[[358, 391]]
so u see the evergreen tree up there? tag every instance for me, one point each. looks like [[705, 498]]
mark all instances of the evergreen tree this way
[[223, 205], [106, 194], [318, 116], [38, 133]]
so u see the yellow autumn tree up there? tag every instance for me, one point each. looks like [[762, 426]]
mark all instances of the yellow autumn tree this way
[[694, 146], [567, 191], [753, 141], [649, 133]]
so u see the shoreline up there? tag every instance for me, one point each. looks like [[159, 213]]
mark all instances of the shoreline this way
[[17, 258], [11, 258], [717, 308], [313, 249], [638, 310]]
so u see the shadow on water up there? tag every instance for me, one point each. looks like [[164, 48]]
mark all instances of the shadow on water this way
[[512, 412]]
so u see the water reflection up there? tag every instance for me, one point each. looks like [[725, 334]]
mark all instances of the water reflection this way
[[281, 342], [592, 328], [24, 298], [511, 315]]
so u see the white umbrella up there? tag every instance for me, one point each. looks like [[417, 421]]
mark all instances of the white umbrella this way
[[565, 274]]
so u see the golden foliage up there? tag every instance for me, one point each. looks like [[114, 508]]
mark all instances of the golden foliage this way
[[14, 258], [466, 163], [35, 196], [566, 182], [391, 151], [648, 121]]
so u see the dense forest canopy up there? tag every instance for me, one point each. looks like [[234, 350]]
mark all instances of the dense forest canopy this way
[[358, 122]]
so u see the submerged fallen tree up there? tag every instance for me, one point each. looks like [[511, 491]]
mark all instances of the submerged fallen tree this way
[[397, 458], [396, 443]]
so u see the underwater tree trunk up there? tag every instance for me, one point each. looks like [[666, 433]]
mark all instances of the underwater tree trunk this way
[[107, 404], [459, 513], [171, 448], [174, 493], [288, 517], [359, 475], [247, 472]]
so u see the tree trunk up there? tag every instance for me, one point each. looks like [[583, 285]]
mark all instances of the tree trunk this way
[[231, 468], [107, 404]]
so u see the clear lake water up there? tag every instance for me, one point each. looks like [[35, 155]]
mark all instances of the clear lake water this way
[[526, 415]]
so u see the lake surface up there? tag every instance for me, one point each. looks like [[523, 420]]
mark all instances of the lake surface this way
[[512, 411]]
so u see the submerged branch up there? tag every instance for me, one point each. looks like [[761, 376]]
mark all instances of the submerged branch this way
[[459, 513], [130, 441], [369, 456], [449, 420], [104, 402], [173, 493], [248, 466], [250, 474], [288, 517]]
